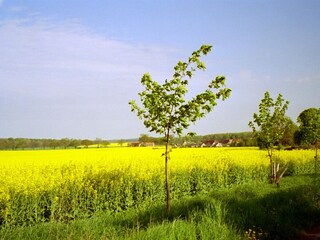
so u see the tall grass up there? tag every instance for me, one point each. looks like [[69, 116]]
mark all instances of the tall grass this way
[[248, 211]]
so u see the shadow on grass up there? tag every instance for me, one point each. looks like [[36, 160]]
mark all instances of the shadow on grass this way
[[279, 215], [274, 213]]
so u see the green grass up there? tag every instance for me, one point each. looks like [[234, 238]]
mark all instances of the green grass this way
[[262, 208]]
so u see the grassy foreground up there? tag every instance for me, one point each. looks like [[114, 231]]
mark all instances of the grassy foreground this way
[[248, 211]]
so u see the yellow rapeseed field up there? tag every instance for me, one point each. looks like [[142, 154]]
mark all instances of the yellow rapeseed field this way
[[49, 185]]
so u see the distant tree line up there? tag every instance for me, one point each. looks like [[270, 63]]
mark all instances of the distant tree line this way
[[64, 143], [293, 136], [303, 136], [244, 139]]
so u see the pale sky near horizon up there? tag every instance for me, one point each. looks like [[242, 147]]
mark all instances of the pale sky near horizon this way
[[69, 68]]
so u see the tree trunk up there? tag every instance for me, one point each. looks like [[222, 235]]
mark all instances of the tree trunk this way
[[275, 176], [316, 160], [167, 186], [272, 167], [279, 176], [167, 173]]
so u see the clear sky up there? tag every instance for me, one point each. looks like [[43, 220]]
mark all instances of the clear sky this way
[[69, 68]]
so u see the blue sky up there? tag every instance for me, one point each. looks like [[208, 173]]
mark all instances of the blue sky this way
[[69, 68]]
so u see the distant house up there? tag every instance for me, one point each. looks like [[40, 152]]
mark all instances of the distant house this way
[[209, 143], [226, 142], [134, 144], [190, 144], [230, 142], [138, 144], [214, 143], [147, 144]]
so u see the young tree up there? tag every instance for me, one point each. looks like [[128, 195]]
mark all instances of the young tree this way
[[165, 109], [309, 130], [268, 127]]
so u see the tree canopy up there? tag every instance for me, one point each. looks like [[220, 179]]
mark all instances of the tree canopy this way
[[309, 130], [269, 126], [309, 126]]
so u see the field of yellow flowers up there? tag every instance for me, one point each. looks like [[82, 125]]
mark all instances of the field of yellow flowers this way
[[62, 185]]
